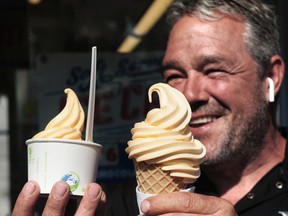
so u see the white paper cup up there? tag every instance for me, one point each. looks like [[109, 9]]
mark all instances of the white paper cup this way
[[142, 196], [73, 161]]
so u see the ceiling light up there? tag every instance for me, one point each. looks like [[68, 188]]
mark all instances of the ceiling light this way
[[34, 2]]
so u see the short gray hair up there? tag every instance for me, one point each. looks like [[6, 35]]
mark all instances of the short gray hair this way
[[261, 36]]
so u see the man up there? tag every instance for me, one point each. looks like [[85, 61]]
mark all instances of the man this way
[[220, 54]]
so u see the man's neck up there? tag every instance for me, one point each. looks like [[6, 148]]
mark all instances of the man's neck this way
[[233, 181]]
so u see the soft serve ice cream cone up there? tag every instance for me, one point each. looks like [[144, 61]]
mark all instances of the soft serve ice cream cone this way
[[165, 154], [59, 153]]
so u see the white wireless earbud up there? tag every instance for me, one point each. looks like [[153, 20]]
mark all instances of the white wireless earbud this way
[[271, 89]]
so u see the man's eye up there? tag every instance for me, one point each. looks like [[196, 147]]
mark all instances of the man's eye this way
[[214, 71], [172, 78]]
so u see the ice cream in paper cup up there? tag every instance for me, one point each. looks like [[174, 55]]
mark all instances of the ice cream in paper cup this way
[[59, 153]]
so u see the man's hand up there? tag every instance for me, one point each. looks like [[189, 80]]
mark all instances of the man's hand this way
[[183, 203], [92, 202]]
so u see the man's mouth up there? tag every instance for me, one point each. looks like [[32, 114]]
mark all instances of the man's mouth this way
[[201, 121]]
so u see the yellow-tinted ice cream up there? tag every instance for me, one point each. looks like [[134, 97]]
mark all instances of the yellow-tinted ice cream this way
[[68, 124], [164, 138]]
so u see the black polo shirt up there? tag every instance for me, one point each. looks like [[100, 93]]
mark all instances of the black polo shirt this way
[[269, 197]]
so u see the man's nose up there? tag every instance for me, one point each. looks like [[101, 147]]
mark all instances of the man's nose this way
[[194, 89]]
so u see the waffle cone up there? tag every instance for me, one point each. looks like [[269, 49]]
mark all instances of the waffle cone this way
[[151, 179]]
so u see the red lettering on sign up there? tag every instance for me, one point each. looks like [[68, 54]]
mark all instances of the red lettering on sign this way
[[103, 109], [131, 101]]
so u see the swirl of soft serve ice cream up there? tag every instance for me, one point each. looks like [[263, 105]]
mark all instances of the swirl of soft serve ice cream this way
[[69, 123], [164, 138]]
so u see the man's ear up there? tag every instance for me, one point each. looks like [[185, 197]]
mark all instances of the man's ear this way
[[276, 74]]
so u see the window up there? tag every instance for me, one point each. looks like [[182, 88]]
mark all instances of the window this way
[[4, 156]]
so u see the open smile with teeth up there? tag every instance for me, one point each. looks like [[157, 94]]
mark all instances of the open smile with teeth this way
[[201, 121]]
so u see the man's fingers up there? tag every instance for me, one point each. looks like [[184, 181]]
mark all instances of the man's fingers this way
[[183, 202], [26, 200], [57, 200], [92, 202]]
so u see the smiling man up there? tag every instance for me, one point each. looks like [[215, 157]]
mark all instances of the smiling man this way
[[220, 55], [217, 81]]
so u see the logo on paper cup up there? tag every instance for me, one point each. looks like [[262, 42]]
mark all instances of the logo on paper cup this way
[[31, 159], [72, 179], [30, 150]]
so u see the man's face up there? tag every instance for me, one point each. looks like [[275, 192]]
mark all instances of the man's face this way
[[209, 64]]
